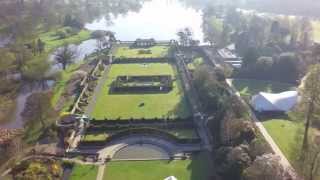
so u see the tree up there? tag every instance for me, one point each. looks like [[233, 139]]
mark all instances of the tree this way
[[306, 32], [212, 93], [66, 55], [36, 70], [41, 46], [310, 99], [39, 109], [266, 167], [185, 37], [311, 162]]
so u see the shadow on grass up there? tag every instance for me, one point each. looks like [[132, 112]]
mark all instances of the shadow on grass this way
[[201, 166]]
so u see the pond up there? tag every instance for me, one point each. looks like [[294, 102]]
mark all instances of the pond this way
[[158, 19]]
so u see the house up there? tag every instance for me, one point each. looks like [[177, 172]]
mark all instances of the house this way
[[144, 43], [268, 102], [229, 56]]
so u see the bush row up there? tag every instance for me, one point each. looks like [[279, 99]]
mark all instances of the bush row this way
[[140, 132], [119, 121], [170, 125], [123, 60]]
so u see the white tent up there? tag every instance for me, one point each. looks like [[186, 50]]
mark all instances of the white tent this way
[[284, 101], [171, 178]]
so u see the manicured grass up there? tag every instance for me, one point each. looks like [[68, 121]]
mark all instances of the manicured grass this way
[[179, 133], [84, 172], [53, 42], [196, 169], [95, 137], [249, 87], [287, 135], [127, 52], [316, 31], [126, 106], [61, 83], [184, 133], [196, 62]]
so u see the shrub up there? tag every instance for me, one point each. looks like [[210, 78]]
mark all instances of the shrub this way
[[145, 51], [61, 34]]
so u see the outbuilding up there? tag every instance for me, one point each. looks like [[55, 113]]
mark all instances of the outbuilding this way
[[268, 102]]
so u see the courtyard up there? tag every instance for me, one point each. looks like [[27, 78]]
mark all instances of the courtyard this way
[[172, 104]]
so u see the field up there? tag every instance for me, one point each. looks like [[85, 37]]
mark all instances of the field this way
[[252, 87], [316, 31], [179, 133], [53, 42], [84, 172], [196, 169], [288, 135], [196, 62], [155, 52], [126, 106]]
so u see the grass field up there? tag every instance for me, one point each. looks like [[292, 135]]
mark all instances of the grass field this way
[[84, 172], [196, 62], [196, 169], [252, 87], [179, 133], [127, 52], [287, 135], [316, 31], [126, 106], [53, 42]]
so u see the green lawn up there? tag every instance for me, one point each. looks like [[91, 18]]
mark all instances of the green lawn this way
[[287, 135], [316, 31], [126, 106], [84, 172], [196, 62], [95, 137], [196, 169], [251, 87], [179, 133], [184, 133], [53, 42], [127, 52]]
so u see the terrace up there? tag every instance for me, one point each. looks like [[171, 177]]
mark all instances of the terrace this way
[[172, 104]]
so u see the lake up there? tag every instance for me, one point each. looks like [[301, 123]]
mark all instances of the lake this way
[[158, 19]]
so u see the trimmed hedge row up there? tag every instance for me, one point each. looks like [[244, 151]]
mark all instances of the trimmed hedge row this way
[[142, 120], [170, 125], [141, 131], [140, 60]]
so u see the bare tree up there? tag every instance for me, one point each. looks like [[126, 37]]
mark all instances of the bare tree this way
[[310, 99], [66, 55]]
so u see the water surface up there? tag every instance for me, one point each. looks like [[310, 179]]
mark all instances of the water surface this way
[[158, 19]]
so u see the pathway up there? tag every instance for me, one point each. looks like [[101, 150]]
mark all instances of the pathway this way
[[97, 90], [101, 172], [264, 132]]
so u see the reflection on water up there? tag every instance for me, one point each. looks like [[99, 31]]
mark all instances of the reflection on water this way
[[159, 19], [21, 100]]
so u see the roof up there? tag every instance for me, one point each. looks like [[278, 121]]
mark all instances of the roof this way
[[227, 54], [284, 101]]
